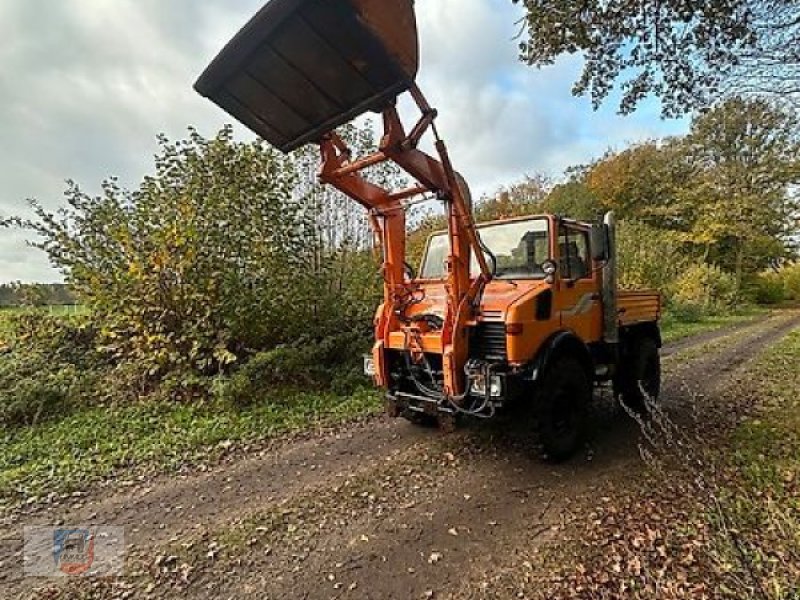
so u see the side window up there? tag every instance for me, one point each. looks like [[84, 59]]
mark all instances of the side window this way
[[574, 254]]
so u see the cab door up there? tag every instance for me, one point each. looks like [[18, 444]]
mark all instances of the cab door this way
[[579, 283]]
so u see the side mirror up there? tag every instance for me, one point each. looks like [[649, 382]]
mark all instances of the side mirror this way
[[599, 241], [550, 268]]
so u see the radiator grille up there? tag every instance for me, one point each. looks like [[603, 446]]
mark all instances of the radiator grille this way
[[492, 315], [489, 341]]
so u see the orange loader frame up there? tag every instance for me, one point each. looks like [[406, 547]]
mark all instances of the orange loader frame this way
[[387, 211]]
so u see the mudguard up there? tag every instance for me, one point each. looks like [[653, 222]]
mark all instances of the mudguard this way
[[560, 344]]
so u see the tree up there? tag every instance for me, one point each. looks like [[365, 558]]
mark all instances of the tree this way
[[345, 264], [25, 294], [649, 257], [30, 294], [7, 296], [771, 67], [640, 182], [35, 294], [573, 199], [685, 53], [745, 156], [524, 197]]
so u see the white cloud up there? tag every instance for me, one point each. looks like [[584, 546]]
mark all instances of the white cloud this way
[[87, 84]]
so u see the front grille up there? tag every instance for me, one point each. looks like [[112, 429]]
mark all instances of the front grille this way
[[489, 341], [492, 315]]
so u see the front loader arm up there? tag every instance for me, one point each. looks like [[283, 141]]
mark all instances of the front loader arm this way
[[387, 210]]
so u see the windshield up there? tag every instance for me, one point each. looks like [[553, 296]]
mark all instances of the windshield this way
[[520, 248]]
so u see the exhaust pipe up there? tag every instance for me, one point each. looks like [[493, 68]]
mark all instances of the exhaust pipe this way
[[610, 310]]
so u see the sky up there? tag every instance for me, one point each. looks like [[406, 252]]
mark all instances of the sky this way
[[86, 86]]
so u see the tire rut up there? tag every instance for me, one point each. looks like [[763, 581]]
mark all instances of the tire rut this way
[[153, 514], [710, 336]]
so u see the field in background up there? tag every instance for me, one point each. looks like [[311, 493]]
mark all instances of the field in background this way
[[67, 309]]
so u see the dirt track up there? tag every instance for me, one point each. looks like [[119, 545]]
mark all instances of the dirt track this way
[[377, 509]]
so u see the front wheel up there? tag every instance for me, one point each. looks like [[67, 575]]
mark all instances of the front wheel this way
[[564, 395]]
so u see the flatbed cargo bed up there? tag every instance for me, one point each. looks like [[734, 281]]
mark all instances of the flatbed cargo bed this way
[[637, 307]]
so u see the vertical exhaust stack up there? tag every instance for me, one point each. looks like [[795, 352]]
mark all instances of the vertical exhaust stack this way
[[610, 310]]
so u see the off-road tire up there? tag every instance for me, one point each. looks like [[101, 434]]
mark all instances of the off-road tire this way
[[392, 408], [642, 380], [562, 400]]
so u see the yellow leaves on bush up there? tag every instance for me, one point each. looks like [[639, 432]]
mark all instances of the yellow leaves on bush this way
[[707, 287]]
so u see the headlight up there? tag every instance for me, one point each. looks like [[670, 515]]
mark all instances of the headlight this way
[[495, 385], [369, 366]]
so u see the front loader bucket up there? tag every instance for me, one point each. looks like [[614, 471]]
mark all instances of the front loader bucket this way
[[301, 68]]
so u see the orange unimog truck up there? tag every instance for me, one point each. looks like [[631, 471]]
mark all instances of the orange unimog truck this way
[[524, 311]]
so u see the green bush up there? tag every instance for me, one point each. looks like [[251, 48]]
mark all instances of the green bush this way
[[47, 366], [61, 338], [767, 288], [34, 391], [186, 386], [333, 363], [282, 366], [706, 288], [686, 312], [791, 281]]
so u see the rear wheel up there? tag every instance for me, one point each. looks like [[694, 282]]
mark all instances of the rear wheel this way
[[642, 381], [563, 397]]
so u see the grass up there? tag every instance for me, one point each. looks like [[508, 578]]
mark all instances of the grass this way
[[674, 328], [758, 528], [105, 442], [94, 433], [779, 381], [766, 447]]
